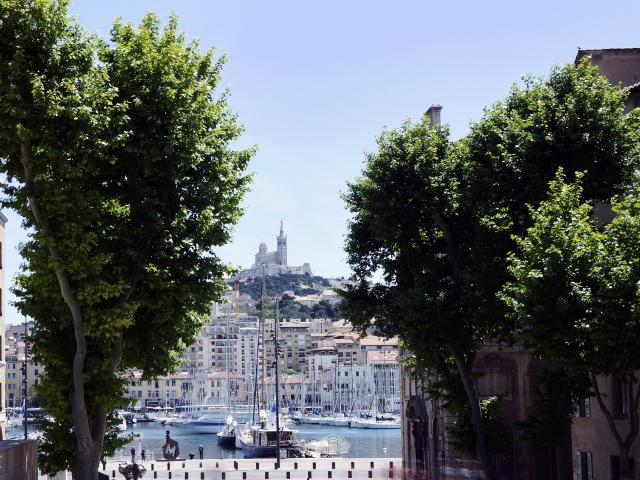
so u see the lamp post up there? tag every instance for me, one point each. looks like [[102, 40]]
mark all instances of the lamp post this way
[[24, 379]]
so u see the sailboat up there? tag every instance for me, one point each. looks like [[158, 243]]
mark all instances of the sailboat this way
[[267, 438]]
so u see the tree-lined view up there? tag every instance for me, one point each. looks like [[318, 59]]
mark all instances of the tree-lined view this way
[[507, 259]]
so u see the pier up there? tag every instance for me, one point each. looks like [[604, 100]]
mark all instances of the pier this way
[[263, 469]]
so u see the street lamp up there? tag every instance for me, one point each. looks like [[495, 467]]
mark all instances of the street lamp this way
[[24, 378]]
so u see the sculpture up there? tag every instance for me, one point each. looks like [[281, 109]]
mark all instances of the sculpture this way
[[170, 449]]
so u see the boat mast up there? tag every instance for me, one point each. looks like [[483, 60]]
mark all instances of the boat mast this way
[[228, 363], [263, 299], [276, 348]]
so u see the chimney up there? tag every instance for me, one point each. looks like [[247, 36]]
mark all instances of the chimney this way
[[434, 115]]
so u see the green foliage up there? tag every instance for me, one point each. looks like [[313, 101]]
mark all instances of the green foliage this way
[[118, 157], [574, 290], [434, 219], [555, 397], [278, 284], [499, 436]]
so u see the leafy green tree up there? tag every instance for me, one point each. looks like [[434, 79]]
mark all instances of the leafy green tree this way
[[434, 219], [118, 158], [575, 296]]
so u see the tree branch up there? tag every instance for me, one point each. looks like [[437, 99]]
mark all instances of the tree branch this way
[[452, 252], [607, 413]]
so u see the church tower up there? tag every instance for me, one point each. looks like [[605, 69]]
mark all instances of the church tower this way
[[281, 252]]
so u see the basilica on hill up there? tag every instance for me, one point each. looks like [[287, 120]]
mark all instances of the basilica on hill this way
[[274, 263]]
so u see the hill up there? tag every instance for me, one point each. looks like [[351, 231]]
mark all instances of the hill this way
[[299, 286]]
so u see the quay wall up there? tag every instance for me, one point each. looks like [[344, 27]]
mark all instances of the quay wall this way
[[265, 469]]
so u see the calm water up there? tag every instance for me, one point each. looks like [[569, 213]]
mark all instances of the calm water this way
[[364, 443]]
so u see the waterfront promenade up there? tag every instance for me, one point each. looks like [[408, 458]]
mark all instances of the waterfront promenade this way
[[264, 469]]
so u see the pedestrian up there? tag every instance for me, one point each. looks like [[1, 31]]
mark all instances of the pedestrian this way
[[133, 455], [104, 464], [201, 451], [142, 456]]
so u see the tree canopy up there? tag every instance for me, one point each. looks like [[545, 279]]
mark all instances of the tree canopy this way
[[574, 294], [119, 158], [434, 219]]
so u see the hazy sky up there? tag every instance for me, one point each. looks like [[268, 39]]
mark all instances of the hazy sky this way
[[314, 82]]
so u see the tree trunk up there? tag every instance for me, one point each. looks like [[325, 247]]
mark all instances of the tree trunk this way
[[482, 450], [86, 458], [633, 397], [625, 471]]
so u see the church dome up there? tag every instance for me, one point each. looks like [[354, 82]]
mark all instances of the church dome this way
[[263, 247]]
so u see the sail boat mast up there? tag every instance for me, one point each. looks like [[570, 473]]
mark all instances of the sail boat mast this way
[[275, 345]]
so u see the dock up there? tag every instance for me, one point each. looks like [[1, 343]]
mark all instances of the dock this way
[[263, 469]]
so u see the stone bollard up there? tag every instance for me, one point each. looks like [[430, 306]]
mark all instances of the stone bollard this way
[[257, 466], [370, 474], [313, 465], [266, 475], [309, 474], [353, 465], [235, 465], [329, 473], [186, 475], [295, 465], [288, 474], [372, 465], [244, 475], [349, 474], [113, 474], [155, 474], [333, 465]]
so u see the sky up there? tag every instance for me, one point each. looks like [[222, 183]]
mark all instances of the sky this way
[[314, 83]]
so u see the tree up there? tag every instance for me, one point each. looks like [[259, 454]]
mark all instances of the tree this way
[[118, 158], [574, 296], [434, 219]]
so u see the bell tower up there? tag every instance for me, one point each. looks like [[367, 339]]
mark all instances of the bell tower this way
[[281, 252]]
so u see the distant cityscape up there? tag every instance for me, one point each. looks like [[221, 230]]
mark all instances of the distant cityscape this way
[[325, 364]]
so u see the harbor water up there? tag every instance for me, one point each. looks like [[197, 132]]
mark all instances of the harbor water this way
[[363, 443], [151, 437]]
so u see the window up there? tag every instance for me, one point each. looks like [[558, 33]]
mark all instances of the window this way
[[584, 408], [584, 466], [619, 396]]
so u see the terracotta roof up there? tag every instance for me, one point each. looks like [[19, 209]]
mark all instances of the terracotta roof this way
[[373, 340]]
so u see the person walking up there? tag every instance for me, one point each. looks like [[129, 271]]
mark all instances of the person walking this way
[[133, 455], [201, 451], [142, 455]]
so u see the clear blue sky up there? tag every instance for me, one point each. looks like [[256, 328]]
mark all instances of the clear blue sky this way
[[314, 82]]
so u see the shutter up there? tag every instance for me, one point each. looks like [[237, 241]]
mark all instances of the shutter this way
[[587, 407], [589, 467]]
